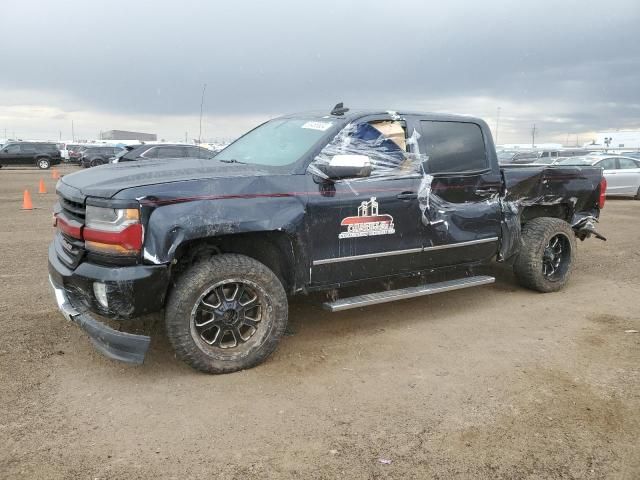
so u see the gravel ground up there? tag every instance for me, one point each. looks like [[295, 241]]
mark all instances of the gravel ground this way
[[492, 382]]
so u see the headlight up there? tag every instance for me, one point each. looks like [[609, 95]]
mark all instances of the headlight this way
[[114, 231]]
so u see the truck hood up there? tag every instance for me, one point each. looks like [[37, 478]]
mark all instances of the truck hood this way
[[107, 180]]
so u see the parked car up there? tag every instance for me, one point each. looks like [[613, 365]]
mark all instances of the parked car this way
[[98, 155], [547, 160], [622, 173], [563, 152], [305, 203], [507, 157], [39, 154], [164, 150], [71, 150]]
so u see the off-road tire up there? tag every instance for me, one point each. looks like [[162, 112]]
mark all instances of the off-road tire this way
[[528, 266], [43, 163], [186, 294]]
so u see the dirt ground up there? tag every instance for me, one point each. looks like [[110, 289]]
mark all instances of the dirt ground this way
[[491, 382]]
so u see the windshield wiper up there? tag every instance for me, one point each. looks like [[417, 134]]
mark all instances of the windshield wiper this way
[[231, 160]]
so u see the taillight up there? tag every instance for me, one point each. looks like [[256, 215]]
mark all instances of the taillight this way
[[603, 192], [114, 231]]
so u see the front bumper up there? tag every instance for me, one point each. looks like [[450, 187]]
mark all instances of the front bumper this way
[[132, 291], [116, 345]]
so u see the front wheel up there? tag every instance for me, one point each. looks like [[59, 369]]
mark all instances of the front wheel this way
[[547, 254], [43, 163], [226, 314]]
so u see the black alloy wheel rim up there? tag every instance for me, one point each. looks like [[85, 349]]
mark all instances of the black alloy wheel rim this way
[[228, 314], [556, 257]]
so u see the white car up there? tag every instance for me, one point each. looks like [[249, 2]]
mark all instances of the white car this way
[[622, 173]]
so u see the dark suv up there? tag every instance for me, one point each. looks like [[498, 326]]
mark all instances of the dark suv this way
[[41, 155], [94, 156], [165, 150]]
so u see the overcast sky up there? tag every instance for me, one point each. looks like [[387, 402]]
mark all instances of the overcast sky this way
[[570, 67]]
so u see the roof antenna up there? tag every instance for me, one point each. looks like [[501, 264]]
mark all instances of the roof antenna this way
[[339, 109]]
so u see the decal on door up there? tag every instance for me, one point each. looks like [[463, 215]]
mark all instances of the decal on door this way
[[368, 223]]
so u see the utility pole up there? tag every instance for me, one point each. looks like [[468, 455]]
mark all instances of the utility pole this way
[[185, 137], [533, 136], [204, 87], [497, 124], [73, 135]]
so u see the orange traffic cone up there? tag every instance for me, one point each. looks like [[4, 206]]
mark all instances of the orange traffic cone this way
[[54, 174], [26, 201], [42, 187]]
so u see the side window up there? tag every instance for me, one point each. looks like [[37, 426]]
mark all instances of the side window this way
[[26, 148], [453, 147], [195, 152], [608, 164], [13, 149], [171, 152], [384, 142], [199, 152], [627, 163]]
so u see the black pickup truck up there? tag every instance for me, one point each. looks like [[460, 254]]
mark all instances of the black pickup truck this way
[[304, 203]]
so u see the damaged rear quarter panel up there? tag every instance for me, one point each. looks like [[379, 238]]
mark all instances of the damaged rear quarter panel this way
[[568, 192]]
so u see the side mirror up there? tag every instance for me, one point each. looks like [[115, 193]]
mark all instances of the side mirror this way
[[347, 166]]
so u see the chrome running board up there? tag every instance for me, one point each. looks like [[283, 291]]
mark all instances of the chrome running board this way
[[410, 292]]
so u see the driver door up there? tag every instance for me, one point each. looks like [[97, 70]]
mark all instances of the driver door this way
[[366, 227]]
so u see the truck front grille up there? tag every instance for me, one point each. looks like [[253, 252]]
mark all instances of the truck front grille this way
[[72, 209], [70, 250]]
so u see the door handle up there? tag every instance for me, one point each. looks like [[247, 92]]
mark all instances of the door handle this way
[[407, 196]]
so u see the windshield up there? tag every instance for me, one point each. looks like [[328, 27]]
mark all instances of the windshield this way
[[276, 143]]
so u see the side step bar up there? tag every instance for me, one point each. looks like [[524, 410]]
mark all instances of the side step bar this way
[[410, 292]]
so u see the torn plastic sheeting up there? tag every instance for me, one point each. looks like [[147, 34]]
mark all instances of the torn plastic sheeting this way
[[386, 152]]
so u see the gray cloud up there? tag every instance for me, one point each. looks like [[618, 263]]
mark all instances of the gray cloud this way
[[575, 64]]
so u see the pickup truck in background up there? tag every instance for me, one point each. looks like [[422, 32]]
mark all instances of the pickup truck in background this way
[[303, 203]]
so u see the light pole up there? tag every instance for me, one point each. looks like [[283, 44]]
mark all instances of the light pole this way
[[533, 136], [497, 124], [204, 87]]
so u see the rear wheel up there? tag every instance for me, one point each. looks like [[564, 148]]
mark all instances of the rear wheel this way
[[226, 314], [637, 197], [43, 163], [547, 254]]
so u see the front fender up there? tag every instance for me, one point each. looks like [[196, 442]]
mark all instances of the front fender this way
[[169, 226]]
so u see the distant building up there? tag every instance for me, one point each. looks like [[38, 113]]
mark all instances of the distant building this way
[[124, 135]]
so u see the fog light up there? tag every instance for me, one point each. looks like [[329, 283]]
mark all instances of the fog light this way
[[100, 291]]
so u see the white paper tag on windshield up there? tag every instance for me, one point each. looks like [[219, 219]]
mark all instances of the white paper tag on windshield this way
[[322, 126]]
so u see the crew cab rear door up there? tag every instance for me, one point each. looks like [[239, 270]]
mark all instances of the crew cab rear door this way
[[369, 227], [462, 209]]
